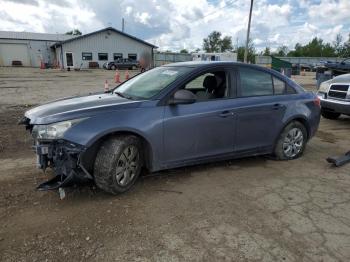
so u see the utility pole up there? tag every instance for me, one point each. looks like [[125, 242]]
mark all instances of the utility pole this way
[[123, 25], [248, 31]]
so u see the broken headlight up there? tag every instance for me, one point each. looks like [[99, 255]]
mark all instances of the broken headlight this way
[[53, 131]]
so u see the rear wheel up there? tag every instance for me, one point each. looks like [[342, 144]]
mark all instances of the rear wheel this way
[[292, 141], [329, 115], [118, 164], [113, 67]]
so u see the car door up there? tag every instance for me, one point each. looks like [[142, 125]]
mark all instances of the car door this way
[[259, 110], [201, 129]]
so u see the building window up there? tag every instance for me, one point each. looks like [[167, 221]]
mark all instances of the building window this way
[[86, 56], [103, 56], [117, 56], [132, 57]]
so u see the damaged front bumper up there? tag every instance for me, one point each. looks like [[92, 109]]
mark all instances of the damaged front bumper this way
[[65, 159]]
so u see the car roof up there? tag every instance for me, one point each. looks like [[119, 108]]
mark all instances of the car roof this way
[[207, 64], [199, 63], [211, 64]]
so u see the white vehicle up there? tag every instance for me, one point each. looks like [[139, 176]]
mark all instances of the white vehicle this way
[[335, 97], [231, 57]]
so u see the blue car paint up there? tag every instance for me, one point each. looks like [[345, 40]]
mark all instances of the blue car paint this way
[[180, 135]]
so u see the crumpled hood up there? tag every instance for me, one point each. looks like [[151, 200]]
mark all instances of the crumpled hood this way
[[78, 107]]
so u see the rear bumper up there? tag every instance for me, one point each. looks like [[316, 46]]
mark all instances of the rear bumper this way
[[336, 106]]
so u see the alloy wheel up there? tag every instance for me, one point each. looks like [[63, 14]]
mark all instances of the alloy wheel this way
[[293, 142], [127, 165]]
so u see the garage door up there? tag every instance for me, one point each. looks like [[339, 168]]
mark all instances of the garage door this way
[[11, 52]]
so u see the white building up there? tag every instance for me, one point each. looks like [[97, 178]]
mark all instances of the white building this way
[[83, 51], [29, 48]]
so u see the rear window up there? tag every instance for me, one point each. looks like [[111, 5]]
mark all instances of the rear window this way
[[255, 83]]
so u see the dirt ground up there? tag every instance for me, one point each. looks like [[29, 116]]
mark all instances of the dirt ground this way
[[252, 209]]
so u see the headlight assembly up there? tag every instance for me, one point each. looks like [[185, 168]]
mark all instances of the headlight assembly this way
[[53, 131], [324, 87]]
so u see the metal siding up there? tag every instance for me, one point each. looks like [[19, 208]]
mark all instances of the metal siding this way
[[166, 58], [103, 43], [36, 50], [34, 36], [11, 52], [263, 60]]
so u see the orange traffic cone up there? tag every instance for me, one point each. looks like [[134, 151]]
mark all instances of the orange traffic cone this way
[[117, 76], [106, 87], [127, 76]]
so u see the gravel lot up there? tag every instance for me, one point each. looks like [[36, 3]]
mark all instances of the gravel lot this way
[[253, 209]]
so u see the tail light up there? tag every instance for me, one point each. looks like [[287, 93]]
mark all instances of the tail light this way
[[317, 101]]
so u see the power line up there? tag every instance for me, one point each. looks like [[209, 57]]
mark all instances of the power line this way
[[230, 4]]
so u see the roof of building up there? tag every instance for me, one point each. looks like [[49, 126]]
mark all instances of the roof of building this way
[[34, 36], [106, 29]]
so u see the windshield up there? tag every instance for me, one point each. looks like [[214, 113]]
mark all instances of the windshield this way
[[150, 83]]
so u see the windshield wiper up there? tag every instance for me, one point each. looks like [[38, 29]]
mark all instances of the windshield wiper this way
[[123, 95]]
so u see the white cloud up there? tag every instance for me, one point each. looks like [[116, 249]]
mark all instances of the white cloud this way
[[330, 12], [143, 18], [182, 23]]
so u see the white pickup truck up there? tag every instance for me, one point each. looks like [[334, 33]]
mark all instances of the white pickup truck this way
[[335, 97]]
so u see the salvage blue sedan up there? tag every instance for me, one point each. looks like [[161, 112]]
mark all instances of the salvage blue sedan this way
[[172, 116]]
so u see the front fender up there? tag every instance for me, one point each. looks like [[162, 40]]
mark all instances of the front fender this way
[[145, 122]]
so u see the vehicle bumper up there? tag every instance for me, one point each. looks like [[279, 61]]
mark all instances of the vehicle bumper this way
[[64, 158], [333, 105]]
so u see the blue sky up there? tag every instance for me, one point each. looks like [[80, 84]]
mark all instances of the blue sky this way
[[177, 24]]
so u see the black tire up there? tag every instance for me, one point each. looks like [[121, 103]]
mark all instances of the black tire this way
[[330, 115], [280, 148], [109, 158], [113, 67]]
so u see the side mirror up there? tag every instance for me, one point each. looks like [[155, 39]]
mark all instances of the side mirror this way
[[182, 97]]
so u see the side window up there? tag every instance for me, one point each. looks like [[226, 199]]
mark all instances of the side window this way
[[279, 86], [290, 90], [211, 85], [197, 83], [255, 83]]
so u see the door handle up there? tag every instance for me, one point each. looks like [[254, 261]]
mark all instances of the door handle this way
[[226, 114], [276, 106]]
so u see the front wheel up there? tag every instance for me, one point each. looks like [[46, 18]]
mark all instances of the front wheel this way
[[113, 67], [292, 141], [330, 115], [118, 164]]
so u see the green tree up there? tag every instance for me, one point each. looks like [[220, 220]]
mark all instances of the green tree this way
[[315, 48], [267, 51], [183, 51], [282, 51], [346, 48], [74, 32], [251, 52], [338, 45], [214, 43]]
